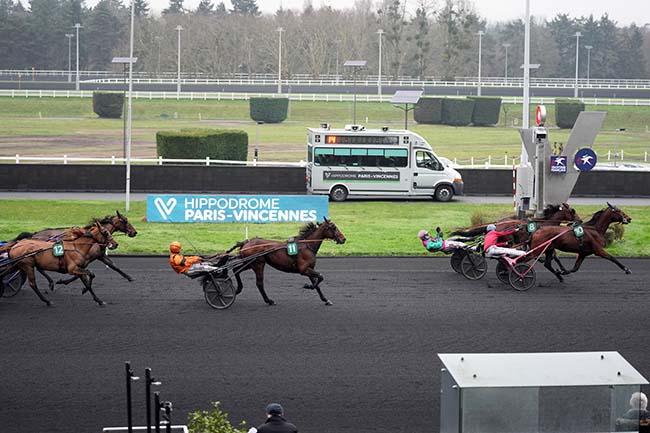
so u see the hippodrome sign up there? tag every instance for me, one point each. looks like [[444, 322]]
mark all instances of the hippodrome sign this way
[[236, 208]]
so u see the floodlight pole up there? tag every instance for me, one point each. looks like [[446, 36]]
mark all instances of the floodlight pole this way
[[178, 84], [588, 47], [130, 111], [69, 36], [77, 26], [577, 35], [505, 74], [338, 42], [280, 30], [525, 121], [480, 42], [380, 33]]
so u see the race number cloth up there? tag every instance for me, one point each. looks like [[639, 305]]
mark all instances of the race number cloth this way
[[236, 208]]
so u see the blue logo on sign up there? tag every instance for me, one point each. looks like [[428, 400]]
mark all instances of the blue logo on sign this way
[[585, 159], [558, 164], [236, 208]]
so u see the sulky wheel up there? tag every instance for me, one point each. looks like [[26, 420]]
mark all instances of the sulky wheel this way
[[456, 258], [219, 292], [473, 266], [522, 277], [12, 283], [503, 272]]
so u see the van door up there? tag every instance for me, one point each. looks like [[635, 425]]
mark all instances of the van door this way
[[427, 172]]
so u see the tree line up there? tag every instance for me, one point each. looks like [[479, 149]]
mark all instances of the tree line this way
[[436, 40]]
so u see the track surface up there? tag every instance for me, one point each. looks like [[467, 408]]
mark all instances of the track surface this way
[[366, 364]]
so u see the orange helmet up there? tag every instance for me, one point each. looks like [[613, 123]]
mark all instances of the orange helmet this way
[[175, 247]]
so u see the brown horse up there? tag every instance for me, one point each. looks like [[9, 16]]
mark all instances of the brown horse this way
[[112, 223], [263, 251], [78, 251], [591, 242], [553, 215]]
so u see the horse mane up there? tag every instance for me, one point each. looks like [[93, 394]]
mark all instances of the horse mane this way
[[595, 218], [23, 235], [105, 220], [307, 229], [550, 209]]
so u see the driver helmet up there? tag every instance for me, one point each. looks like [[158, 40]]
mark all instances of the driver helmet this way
[[175, 247], [423, 234], [490, 228]]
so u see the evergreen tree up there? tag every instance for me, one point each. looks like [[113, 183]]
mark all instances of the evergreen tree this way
[[221, 10], [421, 26], [632, 62], [563, 29], [141, 8], [47, 43], [245, 7], [104, 34], [393, 19], [457, 23], [206, 7], [175, 7]]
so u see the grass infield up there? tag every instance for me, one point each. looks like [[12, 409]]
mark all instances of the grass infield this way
[[371, 228]]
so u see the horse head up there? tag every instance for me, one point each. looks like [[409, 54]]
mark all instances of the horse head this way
[[102, 236], [121, 223], [618, 216], [563, 212], [330, 231]]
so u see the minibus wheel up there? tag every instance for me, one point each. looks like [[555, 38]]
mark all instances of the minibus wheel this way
[[339, 193], [444, 193]]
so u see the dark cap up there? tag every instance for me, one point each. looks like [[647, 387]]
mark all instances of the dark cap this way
[[274, 409]]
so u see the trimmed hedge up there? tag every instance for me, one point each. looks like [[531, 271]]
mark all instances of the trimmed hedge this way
[[567, 111], [486, 110], [457, 112], [108, 104], [428, 111], [226, 144], [269, 110]]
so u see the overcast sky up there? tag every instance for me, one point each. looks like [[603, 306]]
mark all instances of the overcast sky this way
[[623, 11]]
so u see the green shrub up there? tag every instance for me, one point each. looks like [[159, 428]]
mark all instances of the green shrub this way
[[457, 112], [201, 143], [486, 110], [567, 111], [216, 421], [428, 111], [269, 110], [108, 104]]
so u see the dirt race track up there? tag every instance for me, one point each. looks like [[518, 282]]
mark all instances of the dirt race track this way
[[366, 364]]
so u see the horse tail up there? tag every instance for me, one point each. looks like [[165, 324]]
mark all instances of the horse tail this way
[[470, 232], [23, 235], [237, 245]]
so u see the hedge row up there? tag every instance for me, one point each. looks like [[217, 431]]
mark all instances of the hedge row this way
[[479, 111], [269, 110], [201, 143], [567, 111], [108, 104]]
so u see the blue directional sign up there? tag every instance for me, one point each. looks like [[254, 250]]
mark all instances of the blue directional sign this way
[[236, 208], [558, 164], [585, 159]]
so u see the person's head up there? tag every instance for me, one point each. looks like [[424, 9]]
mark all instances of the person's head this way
[[175, 247], [639, 401], [490, 228], [274, 409], [423, 234]]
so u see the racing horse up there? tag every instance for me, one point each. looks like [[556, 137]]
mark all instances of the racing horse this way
[[112, 223], [553, 215], [309, 240], [80, 247], [591, 242]]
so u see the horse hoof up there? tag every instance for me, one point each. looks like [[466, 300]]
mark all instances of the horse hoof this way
[[628, 271], [101, 303], [49, 303], [328, 303], [130, 280], [270, 302]]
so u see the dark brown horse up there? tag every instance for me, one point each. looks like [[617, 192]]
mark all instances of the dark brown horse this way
[[553, 215], [112, 223], [263, 251], [78, 251], [591, 242]]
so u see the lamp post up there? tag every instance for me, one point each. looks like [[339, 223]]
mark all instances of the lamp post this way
[[178, 84], [280, 30], [577, 35], [355, 65], [69, 36], [505, 74], [380, 32], [480, 41], [158, 38], [588, 47], [337, 42], [77, 26], [130, 110]]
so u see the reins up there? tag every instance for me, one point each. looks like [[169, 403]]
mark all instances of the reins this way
[[284, 243]]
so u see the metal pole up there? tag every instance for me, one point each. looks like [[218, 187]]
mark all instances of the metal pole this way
[[77, 26], [129, 411], [156, 405], [380, 33], [69, 36], [588, 47], [577, 35], [147, 380], [125, 112], [280, 30], [505, 75], [130, 112], [158, 69], [525, 121], [354, 78], [338, 42], [480, 40], [178, 84]]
